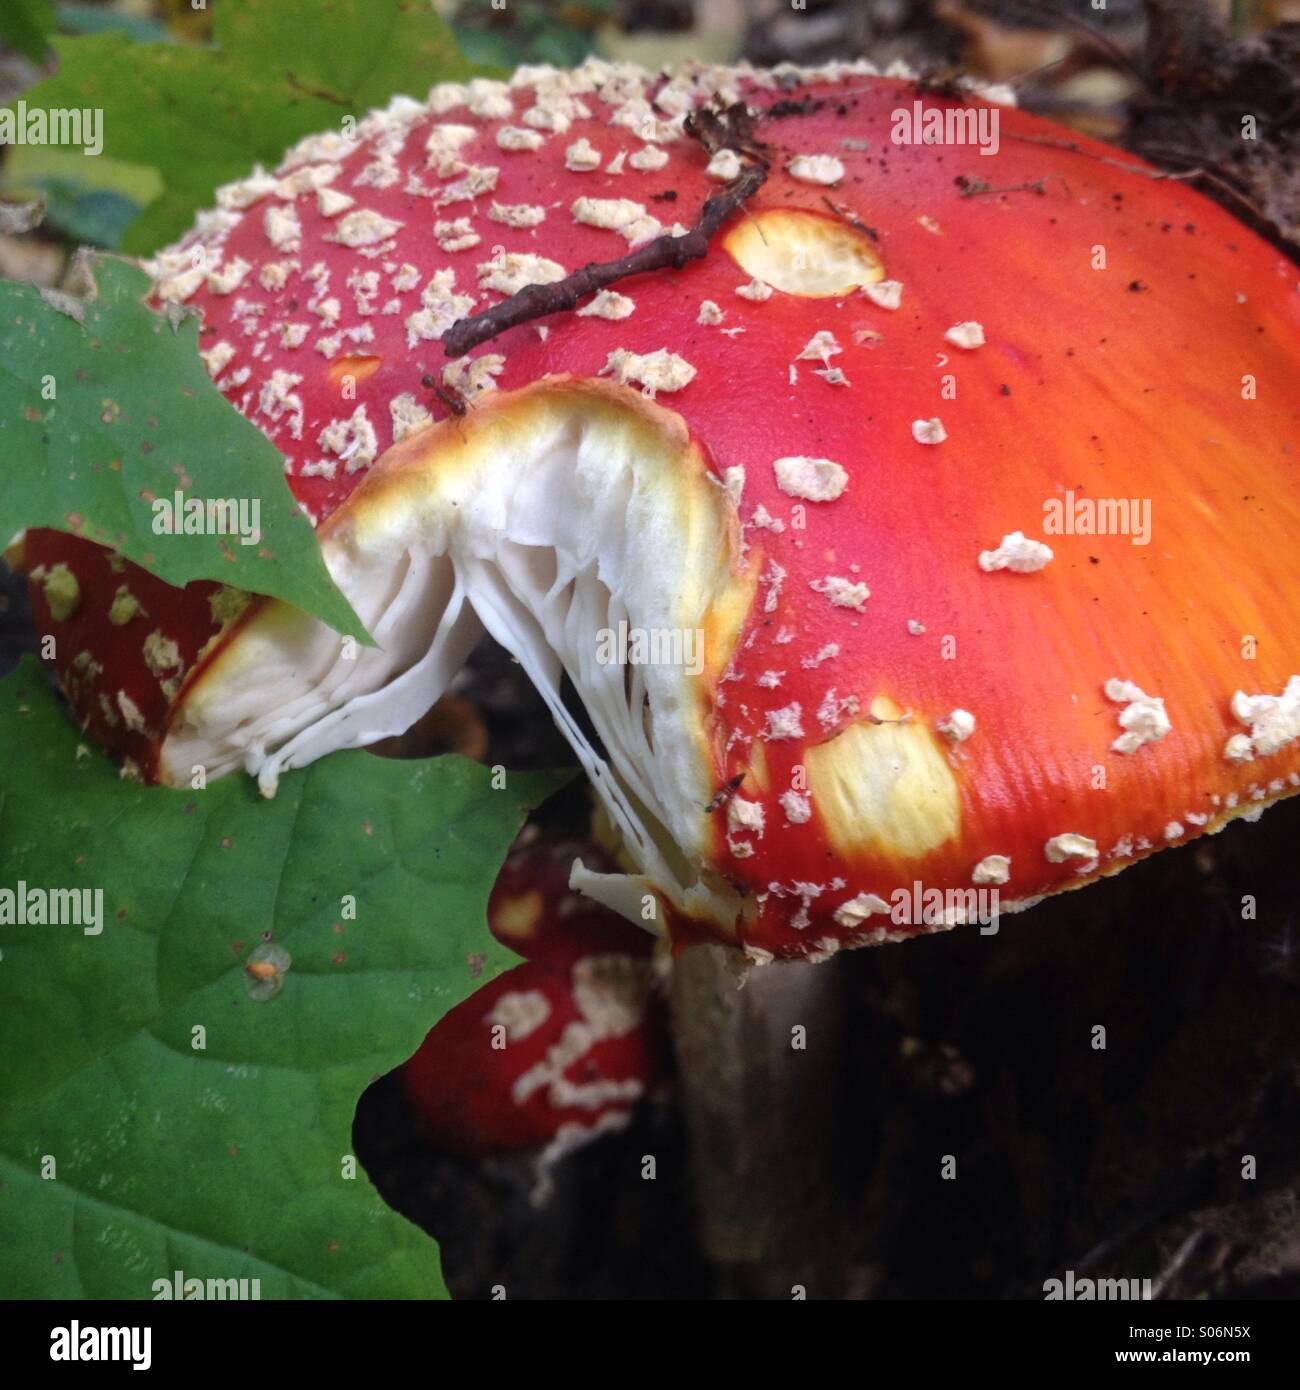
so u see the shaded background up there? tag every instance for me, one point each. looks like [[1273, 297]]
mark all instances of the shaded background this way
[[1123, 1163]]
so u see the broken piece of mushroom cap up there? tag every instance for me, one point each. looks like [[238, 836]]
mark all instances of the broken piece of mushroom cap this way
[[959, 532], [534, 910], [559, 1049]]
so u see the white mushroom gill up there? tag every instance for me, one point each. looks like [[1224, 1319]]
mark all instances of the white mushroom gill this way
[[544, 518]]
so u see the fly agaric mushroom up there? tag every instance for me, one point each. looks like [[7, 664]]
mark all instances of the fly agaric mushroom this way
[[557, 1050], [535, 912], [819, 442]]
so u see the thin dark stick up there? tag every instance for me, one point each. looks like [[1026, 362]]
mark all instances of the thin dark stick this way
[[846, 214], [1157, 175], [1073, 147], [977, 188], [536, 301]]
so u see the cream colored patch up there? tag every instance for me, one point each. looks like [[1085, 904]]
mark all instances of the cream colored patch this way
[[803, 253], [724, 622], [518, 916], [884, 788], [758, 777]]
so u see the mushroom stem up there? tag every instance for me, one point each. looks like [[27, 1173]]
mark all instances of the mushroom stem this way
[[760, 1099]]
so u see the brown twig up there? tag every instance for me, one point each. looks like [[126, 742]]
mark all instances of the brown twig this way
[[1157, 175], [846, 214], [977, 188], [715, 130], [1219, 181], [1174, 1265], [1073, 147], [726, 128]]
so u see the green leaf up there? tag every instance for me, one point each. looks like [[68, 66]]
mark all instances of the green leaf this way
[[136, 417], [87, 216], [204, 116], [224, 1161], [90, 200], [26, 25]]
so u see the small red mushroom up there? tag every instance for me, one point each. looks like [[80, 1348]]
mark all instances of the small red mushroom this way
[[534, 910], [935, 524], [559, 1049]]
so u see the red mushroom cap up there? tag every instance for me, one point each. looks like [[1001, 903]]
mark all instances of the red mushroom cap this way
[[560, 1048], [535, 912], [903, 404]]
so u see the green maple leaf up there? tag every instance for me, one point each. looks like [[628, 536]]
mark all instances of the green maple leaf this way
[[134, 416], [127, 1150]]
